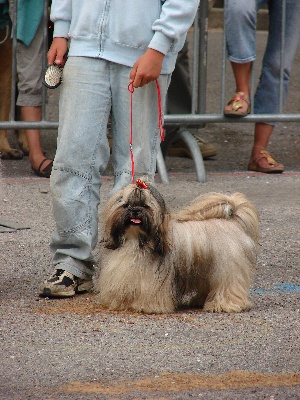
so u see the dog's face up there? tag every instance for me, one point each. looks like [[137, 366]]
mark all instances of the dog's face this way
[[137, 212]]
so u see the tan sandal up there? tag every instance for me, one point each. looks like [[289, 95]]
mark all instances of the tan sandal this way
[[274, 167], [238, 106]]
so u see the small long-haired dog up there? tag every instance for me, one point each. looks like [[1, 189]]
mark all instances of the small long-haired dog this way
[[202, 256]]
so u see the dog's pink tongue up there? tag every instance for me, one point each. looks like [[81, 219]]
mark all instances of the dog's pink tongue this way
[[135, 221]]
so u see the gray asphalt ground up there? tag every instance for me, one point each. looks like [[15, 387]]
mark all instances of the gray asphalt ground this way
[[72, 349]]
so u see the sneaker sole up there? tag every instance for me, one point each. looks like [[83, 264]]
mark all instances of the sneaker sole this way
[[85, 287], [49, 289]]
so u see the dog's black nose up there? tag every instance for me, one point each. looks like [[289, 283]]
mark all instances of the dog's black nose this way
[[135, 215], [135, 212]]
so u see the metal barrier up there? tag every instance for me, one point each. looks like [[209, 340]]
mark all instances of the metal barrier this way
[[197, 117]]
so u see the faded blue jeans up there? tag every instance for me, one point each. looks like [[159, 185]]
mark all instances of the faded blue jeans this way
[[240, 20], [91, 90]]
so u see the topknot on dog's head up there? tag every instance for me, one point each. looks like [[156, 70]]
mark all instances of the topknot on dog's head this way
[[143, 184]]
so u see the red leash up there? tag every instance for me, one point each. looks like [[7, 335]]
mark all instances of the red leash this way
[[131, 90], [160, 121]]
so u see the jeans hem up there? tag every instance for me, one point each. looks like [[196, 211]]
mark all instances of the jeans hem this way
[[241, 61]]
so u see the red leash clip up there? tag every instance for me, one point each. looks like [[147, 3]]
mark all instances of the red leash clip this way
[[141, 184]]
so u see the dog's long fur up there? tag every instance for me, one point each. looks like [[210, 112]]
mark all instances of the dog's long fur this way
[[203, 255]]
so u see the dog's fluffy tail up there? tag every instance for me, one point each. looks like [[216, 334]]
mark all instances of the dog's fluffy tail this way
[[221, 206]]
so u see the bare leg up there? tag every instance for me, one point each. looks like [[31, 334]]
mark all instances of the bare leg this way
[[262, 135], [239, 105], [242, 75], [36, 154]]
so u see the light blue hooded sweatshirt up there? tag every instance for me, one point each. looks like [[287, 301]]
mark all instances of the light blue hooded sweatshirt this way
[[122, 30]]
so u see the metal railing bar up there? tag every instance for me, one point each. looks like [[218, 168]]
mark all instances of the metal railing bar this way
[[14, 63], [171, 120], [193, 120], [45, 49], [224, 59], [195, 65], [202, 63], [283, 24]]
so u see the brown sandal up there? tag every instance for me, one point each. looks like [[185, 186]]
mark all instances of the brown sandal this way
[[274, 167], [238, 106], [46, 172]]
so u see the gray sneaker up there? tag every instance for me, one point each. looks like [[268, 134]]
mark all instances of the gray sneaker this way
[[64, 284]]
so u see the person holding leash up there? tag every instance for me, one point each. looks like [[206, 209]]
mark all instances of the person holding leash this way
[[113, 46]]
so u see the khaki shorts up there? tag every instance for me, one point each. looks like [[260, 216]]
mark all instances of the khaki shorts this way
[[29, 70]]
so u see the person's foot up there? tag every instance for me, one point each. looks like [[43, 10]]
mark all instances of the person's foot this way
[[238, 106], [44, 168], [180, 149], [64, 284], [262, 161]]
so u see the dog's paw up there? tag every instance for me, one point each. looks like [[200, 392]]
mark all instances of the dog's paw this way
[[218, 307], [14, 154]]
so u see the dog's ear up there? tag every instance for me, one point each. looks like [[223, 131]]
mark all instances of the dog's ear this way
[[114, 230], [113, 242], [160, 239], [158, 197]]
